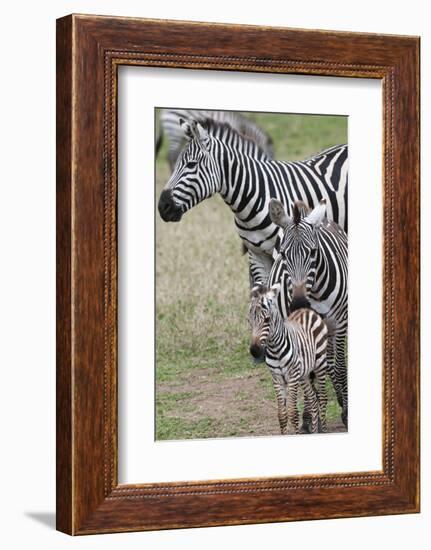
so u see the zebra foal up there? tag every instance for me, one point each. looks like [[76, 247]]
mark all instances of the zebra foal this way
[[292, 349]]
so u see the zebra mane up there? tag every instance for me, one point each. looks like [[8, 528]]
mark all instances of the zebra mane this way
[[216, 128], [299, 211]]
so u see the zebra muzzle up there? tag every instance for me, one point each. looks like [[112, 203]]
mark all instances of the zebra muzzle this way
[[299, 298], [258, 352], [169, 211]]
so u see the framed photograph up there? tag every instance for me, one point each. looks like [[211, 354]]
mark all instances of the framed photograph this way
[[237, 274]]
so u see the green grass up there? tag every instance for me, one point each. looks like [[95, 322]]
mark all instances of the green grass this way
[[169, 428], [206, 384], [299, 136]]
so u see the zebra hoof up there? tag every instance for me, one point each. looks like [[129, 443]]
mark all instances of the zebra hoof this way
[[305, 428], [344, 419], [306, 424]]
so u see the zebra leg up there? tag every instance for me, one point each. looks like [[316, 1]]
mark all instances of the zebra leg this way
[[306, 414], [292, 405], [280, 393], [259, 268], [322, 397], [341, 374], [310, 396], [330, 354], [172, 156]]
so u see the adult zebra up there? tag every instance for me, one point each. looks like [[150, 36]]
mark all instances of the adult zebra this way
[[311, 267], [227, 163], [169, 125]]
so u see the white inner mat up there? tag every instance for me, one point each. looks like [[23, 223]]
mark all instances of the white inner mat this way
[[141, 458]]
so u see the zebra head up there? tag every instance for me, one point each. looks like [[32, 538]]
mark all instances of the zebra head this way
[[196, 175], [263, 299], [296, 263]]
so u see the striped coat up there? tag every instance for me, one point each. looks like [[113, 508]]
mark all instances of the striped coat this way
[[293, 349]]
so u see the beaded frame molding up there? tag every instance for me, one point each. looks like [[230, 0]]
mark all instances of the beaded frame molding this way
[[89, 51]]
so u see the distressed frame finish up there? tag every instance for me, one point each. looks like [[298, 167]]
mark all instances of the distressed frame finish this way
[[89, 51]]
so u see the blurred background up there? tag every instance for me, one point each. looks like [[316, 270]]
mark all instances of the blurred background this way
[[206, 383]]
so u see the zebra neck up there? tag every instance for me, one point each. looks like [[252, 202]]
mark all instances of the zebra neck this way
[[321, 267], [241, 187], [328, 295], [279, 336]]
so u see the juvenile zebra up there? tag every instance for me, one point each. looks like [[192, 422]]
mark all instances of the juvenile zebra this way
[[292, 349], [170, 126]]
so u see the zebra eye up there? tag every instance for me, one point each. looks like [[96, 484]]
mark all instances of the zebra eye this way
[[192, 164]]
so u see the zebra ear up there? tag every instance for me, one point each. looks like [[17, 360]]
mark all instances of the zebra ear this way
[[278, 213], [187, 128], [274, 291], [202, 132], [202, 137], [318, 214], [194, 130]]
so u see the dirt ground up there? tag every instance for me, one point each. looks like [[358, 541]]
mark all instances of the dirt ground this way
[[215, 398]]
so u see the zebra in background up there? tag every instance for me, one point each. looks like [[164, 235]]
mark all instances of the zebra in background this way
[[311, 267], [292, 349], [247, 182], [170, 125]]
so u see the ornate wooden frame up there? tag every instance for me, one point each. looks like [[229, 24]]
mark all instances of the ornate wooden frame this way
[[89, 51]]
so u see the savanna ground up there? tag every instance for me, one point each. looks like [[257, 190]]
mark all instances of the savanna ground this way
[[206, 383]]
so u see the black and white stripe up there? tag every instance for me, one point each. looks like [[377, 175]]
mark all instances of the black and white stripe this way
[[293, 349], [311, 267]]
